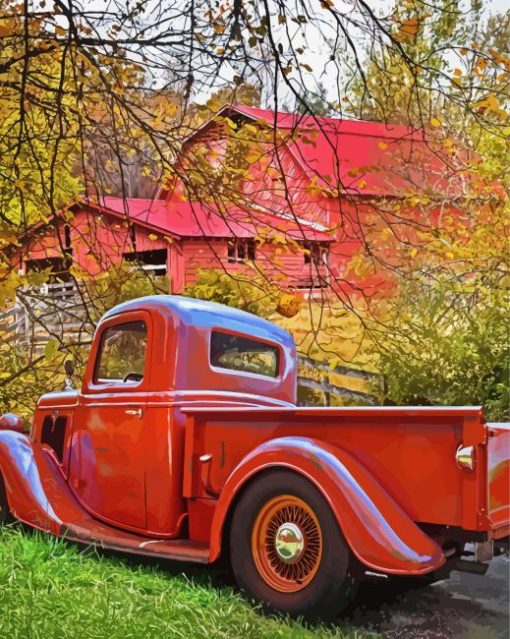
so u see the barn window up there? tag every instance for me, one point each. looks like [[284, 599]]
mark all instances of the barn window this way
[[58, 267], [67, 238], [315, 252], [240, 250], [153, 262]]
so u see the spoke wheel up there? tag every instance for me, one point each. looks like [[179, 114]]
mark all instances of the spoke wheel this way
[[286, 543], [287, 549]]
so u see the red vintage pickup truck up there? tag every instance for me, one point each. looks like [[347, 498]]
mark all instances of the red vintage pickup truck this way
[[185, 442]]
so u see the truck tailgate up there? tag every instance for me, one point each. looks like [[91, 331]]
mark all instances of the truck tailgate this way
[[498, 473]]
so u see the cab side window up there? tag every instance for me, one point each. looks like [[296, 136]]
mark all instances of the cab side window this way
[[244, 354], [122, 354]]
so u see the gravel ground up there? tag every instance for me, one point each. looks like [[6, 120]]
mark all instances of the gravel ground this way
[[465, 606]]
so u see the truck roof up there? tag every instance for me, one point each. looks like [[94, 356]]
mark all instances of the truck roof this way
[[199, 313]]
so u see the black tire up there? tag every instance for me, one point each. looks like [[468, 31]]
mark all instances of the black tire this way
[[5, 513], [332, 586]]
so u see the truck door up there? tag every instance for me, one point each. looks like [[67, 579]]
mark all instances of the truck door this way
[[109, 458]]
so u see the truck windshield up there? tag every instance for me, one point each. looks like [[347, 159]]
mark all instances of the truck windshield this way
[[243, 354], [122, 353]]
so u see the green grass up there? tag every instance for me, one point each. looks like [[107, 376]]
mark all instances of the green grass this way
[[49, 588]]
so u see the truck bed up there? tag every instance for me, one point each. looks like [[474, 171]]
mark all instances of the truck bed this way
[[410, 452]]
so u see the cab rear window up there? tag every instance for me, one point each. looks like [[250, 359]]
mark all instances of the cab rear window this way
[[238, 353]]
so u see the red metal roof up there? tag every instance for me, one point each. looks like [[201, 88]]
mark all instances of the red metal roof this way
[[365, 158], [192, 219]]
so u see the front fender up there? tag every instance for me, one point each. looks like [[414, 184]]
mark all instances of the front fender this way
[[379, 533], [26, 473]]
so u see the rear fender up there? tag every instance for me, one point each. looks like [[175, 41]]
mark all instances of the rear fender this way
[[379, 533], [26, 472]]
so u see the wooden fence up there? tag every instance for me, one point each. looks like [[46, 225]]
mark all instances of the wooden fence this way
[[45, 312], [57, 311]]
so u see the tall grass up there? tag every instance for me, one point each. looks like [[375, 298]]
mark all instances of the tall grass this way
[[51, 589]]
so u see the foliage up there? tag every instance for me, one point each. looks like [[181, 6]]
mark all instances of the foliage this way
[[247, 293], [444, 338], [50, 590], [27, 372], [93, 100]]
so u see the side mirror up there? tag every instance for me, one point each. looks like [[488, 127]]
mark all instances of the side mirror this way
[[69, 370], [69, 367]]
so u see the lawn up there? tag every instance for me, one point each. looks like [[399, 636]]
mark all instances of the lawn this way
[[49, 588]]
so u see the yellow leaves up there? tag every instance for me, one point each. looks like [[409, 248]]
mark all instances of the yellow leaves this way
[[362, 184], [435, 122], [230, 123], [279, 239], [153, 236], [382, 145], [252, 157], [457, 72]]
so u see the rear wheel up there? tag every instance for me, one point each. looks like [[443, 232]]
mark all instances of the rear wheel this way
[[287, 549]]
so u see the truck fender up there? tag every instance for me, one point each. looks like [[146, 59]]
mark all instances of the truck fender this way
[[379, 533], [25, 471]]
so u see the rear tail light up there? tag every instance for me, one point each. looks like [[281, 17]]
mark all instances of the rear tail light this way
[[465, 457]]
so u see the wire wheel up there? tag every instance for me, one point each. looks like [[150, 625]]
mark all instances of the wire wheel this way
[[286, 543]]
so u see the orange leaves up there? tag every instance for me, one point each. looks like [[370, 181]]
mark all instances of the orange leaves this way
[[407, 30], [288, 305], [491, 104]]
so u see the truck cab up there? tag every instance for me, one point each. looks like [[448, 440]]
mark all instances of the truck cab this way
[[120, 438], [184, 441]]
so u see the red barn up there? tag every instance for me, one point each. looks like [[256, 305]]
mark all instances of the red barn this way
[[297, 216]]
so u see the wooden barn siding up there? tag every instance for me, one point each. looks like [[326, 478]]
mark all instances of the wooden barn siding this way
[[285, 268], [97, 242]]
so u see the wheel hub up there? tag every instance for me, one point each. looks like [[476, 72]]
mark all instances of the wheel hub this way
[[289, 542]]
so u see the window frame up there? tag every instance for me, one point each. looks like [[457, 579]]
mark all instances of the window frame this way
[[315, 253], [233, 371], [244, 245], [90, 383]]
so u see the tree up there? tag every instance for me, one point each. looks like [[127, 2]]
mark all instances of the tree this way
[[88, 94]]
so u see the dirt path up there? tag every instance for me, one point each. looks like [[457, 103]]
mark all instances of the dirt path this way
[[465, 607]]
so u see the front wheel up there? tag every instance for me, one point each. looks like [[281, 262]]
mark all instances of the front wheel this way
[[5, 513], [287, 549]]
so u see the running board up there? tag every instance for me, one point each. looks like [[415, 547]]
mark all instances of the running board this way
[[172, 549]]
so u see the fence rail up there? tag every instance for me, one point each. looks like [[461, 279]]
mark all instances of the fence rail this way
[[57, 311], [45, 312]]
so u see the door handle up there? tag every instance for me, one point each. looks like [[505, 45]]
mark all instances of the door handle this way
[[135, 412]]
